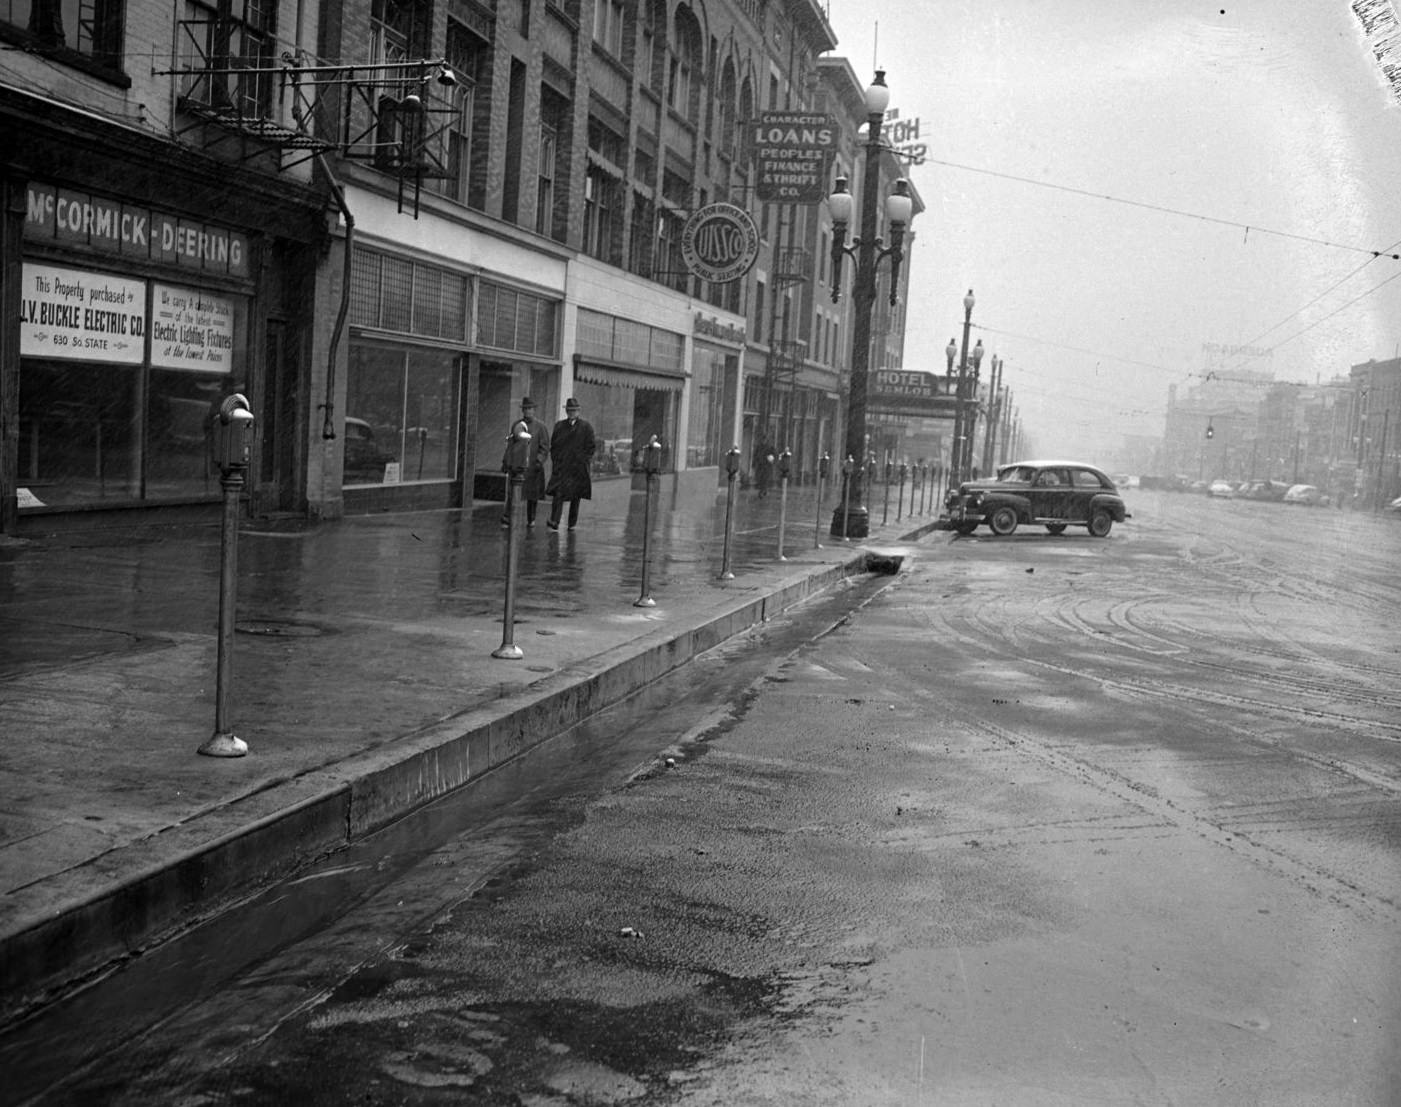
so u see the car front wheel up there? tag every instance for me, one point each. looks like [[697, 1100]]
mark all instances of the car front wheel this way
[[1003, 521], [1101, 523]]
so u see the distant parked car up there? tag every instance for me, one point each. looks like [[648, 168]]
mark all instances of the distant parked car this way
[[1264, 490], [1307, 495], [1056, 494], [1221, 489], [1394, 507]]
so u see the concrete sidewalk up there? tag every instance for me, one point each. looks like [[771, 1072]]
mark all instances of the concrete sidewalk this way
[[363, 684]]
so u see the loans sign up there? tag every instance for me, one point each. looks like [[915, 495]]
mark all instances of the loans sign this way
[[792, 150], [720, 243]]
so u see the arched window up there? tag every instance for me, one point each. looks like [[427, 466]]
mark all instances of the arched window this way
[[684, 64], [727, 106], [746, 105]]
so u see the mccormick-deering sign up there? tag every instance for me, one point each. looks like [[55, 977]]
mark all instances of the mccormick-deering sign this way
[[130, 230], [792, 149], [720, 243]]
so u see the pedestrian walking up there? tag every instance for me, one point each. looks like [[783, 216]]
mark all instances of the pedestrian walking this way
[[571, 453], [763, 467], [533, 487]]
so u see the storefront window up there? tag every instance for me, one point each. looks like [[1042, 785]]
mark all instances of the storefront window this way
[[707, 396], [119, 384], [401, 414], [624, 420]]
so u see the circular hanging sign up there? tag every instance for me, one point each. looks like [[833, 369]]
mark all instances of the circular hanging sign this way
[[720, 243]]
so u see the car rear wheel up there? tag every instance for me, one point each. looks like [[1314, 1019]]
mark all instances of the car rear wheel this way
[[1003, 521], [1101, 523], [1056, 528]]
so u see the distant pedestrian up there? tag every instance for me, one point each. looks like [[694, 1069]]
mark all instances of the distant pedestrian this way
[[533, 487], [571, 453], [763, 467]]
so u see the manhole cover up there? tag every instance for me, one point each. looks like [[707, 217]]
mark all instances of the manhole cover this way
[[275, 628]]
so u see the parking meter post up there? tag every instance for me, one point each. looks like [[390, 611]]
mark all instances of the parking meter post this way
[[651, 466], [885, 503], [824, 466], [848, 467], [785, 466], [900, 494], [517, 458], [731, 472], [233, 439]]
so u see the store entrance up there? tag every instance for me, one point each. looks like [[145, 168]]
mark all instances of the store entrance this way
[[276, 487]]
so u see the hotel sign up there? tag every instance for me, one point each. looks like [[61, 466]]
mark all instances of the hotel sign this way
[[911, 392]]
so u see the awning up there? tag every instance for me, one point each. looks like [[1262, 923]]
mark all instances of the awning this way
[[611, 377]]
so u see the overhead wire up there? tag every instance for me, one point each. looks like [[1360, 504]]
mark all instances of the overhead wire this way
[[1235, 223]]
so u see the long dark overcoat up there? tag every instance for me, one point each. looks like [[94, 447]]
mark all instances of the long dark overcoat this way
[[533, 488], [571, 450]]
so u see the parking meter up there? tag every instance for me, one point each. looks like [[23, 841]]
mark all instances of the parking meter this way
[[731, 471], [518, 447], [824, 466], [652, 457], [785, 464], [848, 465], [233, 433]]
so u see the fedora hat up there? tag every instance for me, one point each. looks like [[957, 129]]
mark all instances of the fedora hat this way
[[571, 404]]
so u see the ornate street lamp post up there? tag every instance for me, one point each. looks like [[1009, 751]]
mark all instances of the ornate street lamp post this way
[[965, 393], [851, 520]]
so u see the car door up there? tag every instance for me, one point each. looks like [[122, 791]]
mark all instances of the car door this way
[[1049, 494], [1083, 486]]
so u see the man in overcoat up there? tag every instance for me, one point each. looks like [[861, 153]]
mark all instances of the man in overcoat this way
[[533, 487], [571, 454]]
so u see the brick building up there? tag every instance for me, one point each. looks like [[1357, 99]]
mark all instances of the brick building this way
[[386, 221]]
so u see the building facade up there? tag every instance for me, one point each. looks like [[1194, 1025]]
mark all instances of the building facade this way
[[385, 222]]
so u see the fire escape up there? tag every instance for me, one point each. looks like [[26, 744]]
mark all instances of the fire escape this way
[[232, 93], [792, 266]]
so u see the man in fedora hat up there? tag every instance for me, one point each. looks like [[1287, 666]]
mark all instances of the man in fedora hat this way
[[571, 453], [533, 487]]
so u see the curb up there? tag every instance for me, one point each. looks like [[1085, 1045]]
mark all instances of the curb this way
[[105, 916]]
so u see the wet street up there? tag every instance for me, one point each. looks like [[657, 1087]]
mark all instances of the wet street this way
[[1041, 820]]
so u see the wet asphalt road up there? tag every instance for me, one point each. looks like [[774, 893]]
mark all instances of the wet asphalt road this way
[[1044, 821]]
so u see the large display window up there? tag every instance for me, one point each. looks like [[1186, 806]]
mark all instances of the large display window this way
[[709, 367], [402, 414], [119, 380]]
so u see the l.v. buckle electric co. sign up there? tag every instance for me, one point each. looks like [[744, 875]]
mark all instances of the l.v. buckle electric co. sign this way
[[720, 243]]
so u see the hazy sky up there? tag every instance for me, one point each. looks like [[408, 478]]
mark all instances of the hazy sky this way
[[1268, 114]]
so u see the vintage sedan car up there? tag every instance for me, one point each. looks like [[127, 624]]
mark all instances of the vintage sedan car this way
[[1054, 494], [1306, 494], [1221, 490]]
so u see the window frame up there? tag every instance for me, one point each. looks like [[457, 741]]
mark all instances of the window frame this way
[[107, 31]]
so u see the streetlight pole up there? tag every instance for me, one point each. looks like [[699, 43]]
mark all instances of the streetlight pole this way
[[851, 518], [994, 413], [961, 457]]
